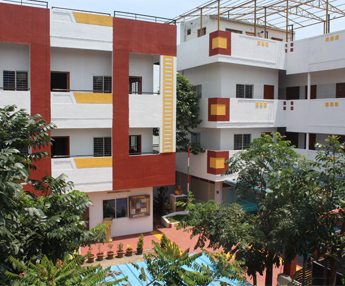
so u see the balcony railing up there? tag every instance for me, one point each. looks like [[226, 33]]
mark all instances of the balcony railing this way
[[154, 152], [14, 89], [143, 17], [35, 3], [83, 11]]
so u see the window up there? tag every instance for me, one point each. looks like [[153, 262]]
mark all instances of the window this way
[[102, 146], [134, 85], [134, 144], [189, 31], [340, 91], [292, 93], [233, 31], [250, 34], [60, 147], [102, 84], [59, 81], [116, 208], [276, 39], [244, 90], [15, 80], [198, 89], [196, 138], [241, 141], [203, 32]]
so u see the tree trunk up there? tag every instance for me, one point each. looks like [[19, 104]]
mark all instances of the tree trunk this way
[[333, 273], [254, 280], [163, 206], [269, 274], [325, 272]]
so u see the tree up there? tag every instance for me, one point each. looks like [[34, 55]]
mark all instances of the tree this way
[[298, 214], [187, 116], [175, 267], [67, 272], [31, 226]]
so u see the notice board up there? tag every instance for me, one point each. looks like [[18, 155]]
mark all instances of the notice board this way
[[139, 206]]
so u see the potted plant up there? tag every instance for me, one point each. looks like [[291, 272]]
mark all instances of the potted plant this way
[[100, 253], [90, 256], [120, 250], [129, 250], [164, 241], [110, 253], [140, 244]]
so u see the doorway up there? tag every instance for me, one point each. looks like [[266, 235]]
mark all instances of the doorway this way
[[59, 81], [60, 147]]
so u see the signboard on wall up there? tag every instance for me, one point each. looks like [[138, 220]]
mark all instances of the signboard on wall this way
[[139, 206]]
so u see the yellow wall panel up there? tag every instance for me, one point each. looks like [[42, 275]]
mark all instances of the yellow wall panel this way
[[218, 109], [93, 162], [93, 19], [168, 106], [219, 42], [98, 98], [217, 163]]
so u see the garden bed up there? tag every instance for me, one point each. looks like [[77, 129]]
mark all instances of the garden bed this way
[[172, 220]]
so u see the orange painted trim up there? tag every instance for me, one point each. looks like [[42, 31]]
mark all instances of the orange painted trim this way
[[219, 49], [216, 154], [220, 101]]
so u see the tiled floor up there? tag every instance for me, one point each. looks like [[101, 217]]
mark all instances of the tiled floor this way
[[180, 237]]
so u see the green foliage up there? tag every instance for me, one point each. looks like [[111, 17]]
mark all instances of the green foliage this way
[[140, 243], [175, 267], [120, 247], [298, 215], [64, 273], [31, 226], [187, 116], [164, 241]]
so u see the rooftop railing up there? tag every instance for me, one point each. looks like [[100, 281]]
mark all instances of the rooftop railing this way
[[83, 11], [143, 17], [34, 3]]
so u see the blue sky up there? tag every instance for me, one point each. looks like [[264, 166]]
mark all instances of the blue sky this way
[[169, 9]]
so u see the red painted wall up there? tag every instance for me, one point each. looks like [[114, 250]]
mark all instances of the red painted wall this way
[[30, 25], [131, 36]]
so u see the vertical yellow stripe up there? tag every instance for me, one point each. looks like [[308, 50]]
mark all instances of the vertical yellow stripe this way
[[168, 104]]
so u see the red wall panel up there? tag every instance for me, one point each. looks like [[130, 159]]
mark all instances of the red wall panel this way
[[30, 25], [130, 36]]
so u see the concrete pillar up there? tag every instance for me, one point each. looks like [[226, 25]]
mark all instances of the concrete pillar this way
[[309, 87], [218, 187]]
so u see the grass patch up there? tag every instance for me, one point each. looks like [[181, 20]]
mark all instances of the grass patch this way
[[176, 218]]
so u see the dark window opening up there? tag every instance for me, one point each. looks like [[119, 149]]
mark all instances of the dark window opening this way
[[293, 137], [203, 32], [134, 144], [312, 92], [189, 31], [135, 85], [59, 81], [15, 80], [60, 147], [233, 31], [244, 91], [276, 39], [292, 93], [102, 146], [102, 84], [340, 90], [196, 138]]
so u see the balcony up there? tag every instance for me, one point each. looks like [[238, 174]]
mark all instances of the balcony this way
[[89, 174], [19, 98]]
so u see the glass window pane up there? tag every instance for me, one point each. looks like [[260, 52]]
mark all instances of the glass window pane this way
[[238, 142], [246, 141], [121, 207], [239, 90], [249, 91], [107, 84], [98, 84], [22, 80], [98, 147], [109, 208], [9, 80], [107, 146]]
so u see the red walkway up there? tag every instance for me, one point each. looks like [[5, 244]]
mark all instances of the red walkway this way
[[178, 236]]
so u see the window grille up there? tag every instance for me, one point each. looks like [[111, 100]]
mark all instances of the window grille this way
[[102, 84], [15, 80], [135, 85], [116, 208], [241, 141], [244, 90], [102, 146]]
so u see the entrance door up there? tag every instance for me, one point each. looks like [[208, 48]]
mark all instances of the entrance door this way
[[268, 91]]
